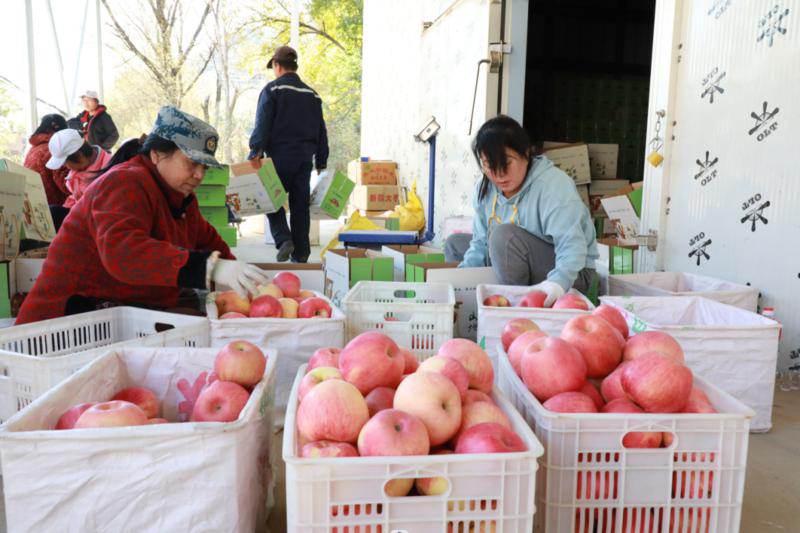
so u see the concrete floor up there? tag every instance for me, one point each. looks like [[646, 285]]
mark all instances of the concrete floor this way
[[772, 487]]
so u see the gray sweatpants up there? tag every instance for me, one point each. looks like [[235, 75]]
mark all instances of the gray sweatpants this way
[[517, 257]]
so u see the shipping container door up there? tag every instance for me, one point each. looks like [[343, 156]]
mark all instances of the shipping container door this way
[[732, 206]]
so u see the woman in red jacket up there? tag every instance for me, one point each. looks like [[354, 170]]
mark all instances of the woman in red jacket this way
[[55, 187], [136, 236]]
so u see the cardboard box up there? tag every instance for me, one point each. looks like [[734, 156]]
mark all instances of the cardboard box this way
[[572, 159], [375, 197], [210, 195], [12, 200], [329, 197], [602, 158], [346, 267], [215, 215], [5, 289], [583, 192], [606, 187], [372, 172], [217, 176], [622, 209], [255, 192], [228, 234], [26, 271], [465, 282], [37, 223], [405, 255]]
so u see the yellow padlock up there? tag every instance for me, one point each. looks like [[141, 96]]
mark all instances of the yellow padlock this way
[[655, 159]]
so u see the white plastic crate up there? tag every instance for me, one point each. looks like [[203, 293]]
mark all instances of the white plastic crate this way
[[735, 349], [589, 483], [492, 320], [489, 493], [35, 357], [192, 476], [295, 340], [684, 284], [417, 316]]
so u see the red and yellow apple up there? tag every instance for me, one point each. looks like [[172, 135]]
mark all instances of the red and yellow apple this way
[[571, 301], [490, 437], [231, 302], [449, 368], [598, 342], [380, 398], [371, 360], [324, 357], [144, 398], [315, 307], [266, 306], [533, 299], [241, 362], [333, 410], [652, 341], [289, 307], [314, 378], [435, 400], [288, 283], [222, 401], [68, 419], [327, 448], [393, 432], [496, 300], [115, 413], [474, 360], [514, 328], [551, 366]]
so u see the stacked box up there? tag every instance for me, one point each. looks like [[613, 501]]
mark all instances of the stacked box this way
[[211, 197], [376, 185]]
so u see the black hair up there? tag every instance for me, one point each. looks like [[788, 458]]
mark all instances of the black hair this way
[[289, 65], [141, 145], [85, 151], [51, 124], [491, 141]]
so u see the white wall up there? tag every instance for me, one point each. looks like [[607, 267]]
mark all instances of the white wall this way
[[719, 204], [410, 74]]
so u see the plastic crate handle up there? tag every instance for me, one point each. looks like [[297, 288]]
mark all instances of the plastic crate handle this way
[[162, 326]]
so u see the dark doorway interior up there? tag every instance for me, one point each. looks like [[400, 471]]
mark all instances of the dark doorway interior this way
[[588, 75]]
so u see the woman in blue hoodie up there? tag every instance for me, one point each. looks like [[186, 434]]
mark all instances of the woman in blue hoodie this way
[[530, 224]]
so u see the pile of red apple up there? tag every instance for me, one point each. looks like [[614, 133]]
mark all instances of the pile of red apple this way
[[596, 367], [373, 398], [536, 299], [283, 298], [238, 367]]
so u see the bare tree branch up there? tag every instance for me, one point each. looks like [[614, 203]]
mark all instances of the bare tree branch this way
[[202, 69], [311, 29], [123, 35], [182, 58], [45, 102]]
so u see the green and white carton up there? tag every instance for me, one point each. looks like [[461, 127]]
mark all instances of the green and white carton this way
[[252, 192], [329, 198]]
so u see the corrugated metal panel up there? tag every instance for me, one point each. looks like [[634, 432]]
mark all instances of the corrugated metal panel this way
[[734, 191], [410, 74]]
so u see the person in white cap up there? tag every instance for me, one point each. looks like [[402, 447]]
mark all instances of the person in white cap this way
[[94, 122], [68, 149]]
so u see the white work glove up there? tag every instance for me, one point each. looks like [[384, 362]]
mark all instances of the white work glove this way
[[553, 290], [239, 276]]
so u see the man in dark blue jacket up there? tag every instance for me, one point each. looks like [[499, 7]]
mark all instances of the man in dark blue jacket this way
[[290, 129]]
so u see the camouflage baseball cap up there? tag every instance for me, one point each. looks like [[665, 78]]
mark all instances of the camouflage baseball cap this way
[[195, 138]]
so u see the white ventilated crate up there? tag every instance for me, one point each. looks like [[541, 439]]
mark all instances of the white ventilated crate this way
[[684, 284], [489, 493], [417, 316], [735, 349], [35, 357], [589, 483], [492, 320], [190, 476], [295, 340]]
